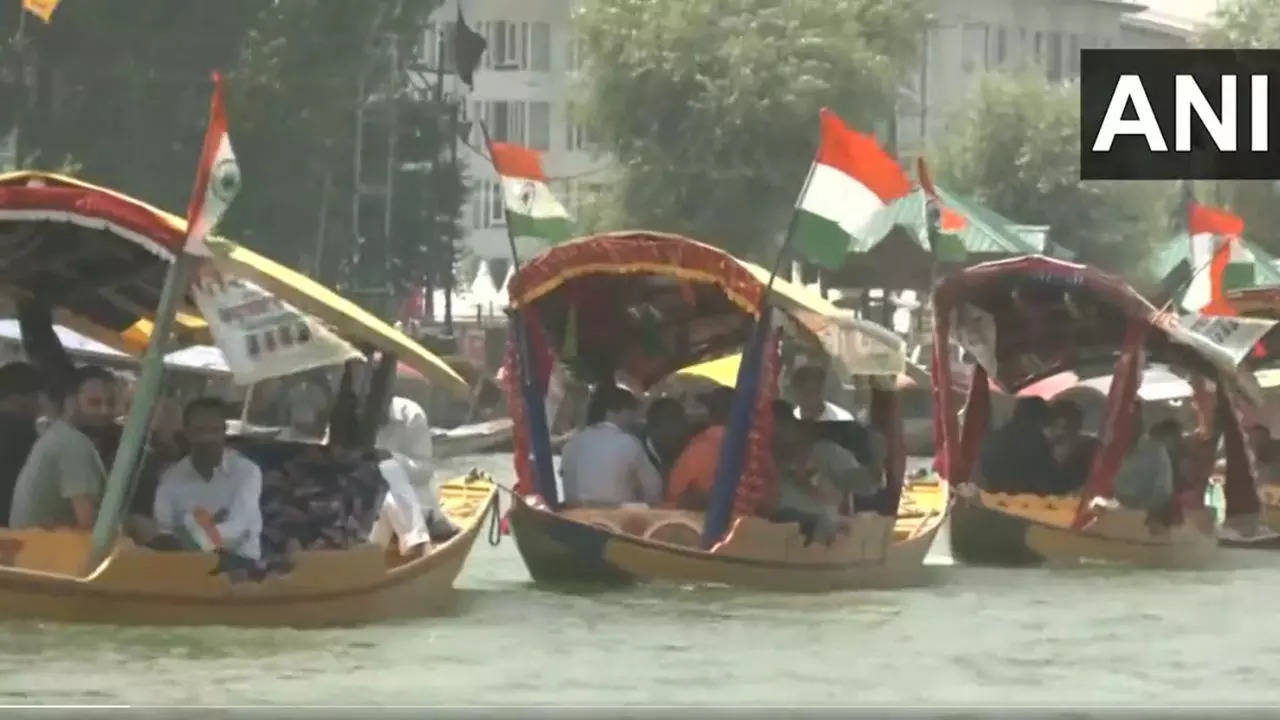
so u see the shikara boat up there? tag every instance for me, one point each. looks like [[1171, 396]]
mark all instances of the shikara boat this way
[[1029, 318], [1261, 302], [100, 258], [649, 304]]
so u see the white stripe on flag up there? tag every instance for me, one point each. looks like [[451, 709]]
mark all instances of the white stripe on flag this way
[[532, 198], [833, 195]]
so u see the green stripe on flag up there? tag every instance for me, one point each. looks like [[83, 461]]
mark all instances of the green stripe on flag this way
[[552, 229], [820, 241]]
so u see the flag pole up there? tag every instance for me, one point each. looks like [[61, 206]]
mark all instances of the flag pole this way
[[536, 417]]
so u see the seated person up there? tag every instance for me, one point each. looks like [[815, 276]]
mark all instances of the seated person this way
[[1017, 457], [814, 474], [1265, 455], [209, 499], [19, 409], [604, 465], [808, 383], [1072, 449], [1145, 478], [61, 482], [693, 474], [665, 433]]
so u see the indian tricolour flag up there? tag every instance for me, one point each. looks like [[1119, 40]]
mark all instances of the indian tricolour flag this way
[[1219, 259], [851, 179], [532, 211], [217, 177]]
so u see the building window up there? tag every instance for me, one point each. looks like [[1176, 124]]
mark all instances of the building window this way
[[1073, 56], [506, 45], [540, 47], [974, 47], [540, 125], [1054, 52], [496, 216], [486, 207], [437, 46], [505, 120], [1002, 47]]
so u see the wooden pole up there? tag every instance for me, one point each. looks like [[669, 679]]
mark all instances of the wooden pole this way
[[146, 393]]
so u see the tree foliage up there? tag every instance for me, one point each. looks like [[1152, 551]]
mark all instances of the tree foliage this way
[[710, 108], [121, 91], [1015, 147]]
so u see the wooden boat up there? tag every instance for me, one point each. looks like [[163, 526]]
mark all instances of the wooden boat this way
[[1000, 311], [1261, 302], [472, 438], [113, 252], [704, 303]]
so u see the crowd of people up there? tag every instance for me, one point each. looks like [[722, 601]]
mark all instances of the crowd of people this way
[[826, 463], [1043, 450], [192, 490]]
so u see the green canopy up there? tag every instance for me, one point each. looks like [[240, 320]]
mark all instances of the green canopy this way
[[1161, 263], [985, 232]]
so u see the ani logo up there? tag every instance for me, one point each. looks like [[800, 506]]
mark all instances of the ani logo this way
[[226, 179], [527, 192]]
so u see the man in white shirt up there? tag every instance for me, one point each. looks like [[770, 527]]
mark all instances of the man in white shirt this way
[[408, 433], [604, 464], [808, 382], [211, 495]]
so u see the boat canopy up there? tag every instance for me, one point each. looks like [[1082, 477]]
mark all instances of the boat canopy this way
[[100, 258], [1031, 317], [650, 303]]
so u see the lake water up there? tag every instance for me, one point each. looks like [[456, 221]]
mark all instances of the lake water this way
[[975, 637]]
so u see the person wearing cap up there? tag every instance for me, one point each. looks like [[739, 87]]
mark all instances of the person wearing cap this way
[[689, 485], [19, 409], [604, 465]]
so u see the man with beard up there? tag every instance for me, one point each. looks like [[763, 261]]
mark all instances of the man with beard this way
[[62, 480]]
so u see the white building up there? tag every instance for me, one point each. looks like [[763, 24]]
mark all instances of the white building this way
[[522, 91]]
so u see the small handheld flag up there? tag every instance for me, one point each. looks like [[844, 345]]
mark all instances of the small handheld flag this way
[[217, 177], [850, 180]]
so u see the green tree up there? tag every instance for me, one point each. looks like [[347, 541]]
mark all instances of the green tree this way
[[711, 108], [1015, 147], [293, 113], [1247, 24], [120, 89]]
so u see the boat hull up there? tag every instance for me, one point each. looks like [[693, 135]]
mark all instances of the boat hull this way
[[138, 586], [619, 547], [1019, 531]]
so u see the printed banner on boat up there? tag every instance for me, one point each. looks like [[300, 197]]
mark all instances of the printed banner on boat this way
[[261, 335], [975, 330], [1225, 341]]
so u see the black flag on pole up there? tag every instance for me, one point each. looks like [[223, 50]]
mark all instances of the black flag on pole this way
[[468, 47]]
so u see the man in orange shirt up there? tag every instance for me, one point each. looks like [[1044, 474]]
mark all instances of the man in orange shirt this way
[[694, 472]]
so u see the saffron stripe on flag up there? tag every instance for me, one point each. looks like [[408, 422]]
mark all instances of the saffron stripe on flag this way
[[860, 156]]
